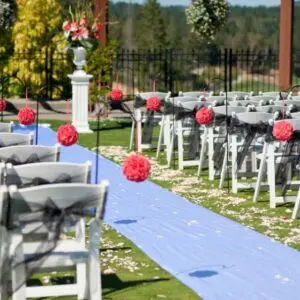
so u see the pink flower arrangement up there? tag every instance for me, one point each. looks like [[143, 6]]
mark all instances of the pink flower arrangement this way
[[79, 31]]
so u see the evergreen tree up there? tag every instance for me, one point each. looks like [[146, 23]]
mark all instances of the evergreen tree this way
[[151, 28]]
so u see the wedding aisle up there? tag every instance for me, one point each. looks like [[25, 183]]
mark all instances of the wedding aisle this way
[[216, 257]]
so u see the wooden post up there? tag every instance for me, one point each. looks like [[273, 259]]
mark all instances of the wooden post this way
[[286, 44], [101, 11]]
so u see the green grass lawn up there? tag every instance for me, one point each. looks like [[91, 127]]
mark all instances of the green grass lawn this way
[[128, 274]]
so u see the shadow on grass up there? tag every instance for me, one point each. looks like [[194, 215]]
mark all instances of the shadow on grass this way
[[115, 284], [112, 126], [115, 249], [111, 283]]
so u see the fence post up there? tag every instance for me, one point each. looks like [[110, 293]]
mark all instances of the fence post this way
[[170, 71], [46, 72], [51, 74], [166, 75], [225, 71], [230, 70]]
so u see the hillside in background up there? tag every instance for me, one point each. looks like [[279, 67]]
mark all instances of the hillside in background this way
[[247, 27]]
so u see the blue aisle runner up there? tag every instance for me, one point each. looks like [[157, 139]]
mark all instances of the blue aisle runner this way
[[216, 257]]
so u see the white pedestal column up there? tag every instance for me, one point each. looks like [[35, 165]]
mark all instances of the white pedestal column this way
[[80, 92]]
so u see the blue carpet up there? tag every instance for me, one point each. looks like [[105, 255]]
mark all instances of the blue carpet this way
[[216, 257]]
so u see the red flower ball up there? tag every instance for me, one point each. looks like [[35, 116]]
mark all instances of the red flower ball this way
[[67, 135], [136, 168], [26, 116], [153, 104], [283, 131], [116, 95], [2, 104], [204, 116]]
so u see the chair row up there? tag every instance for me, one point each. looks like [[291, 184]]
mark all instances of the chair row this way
[[33, 181]]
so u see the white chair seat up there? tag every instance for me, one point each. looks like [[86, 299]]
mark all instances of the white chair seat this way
[[66, 254]]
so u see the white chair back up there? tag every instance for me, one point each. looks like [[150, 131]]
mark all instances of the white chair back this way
[[6, 127], [294, 122], [12, 139], [160, 95], [45, 173], [196, 94], [188, 105], [238, 95], [222, 110], [254, 117], [62, 195], [18, 155], [269, 108]]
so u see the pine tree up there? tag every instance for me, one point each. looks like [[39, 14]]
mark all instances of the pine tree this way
[[151, 27]]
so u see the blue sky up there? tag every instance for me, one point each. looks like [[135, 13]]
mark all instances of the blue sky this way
[[233, 2]]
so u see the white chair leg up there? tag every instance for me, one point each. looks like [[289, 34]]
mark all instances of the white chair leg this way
[[81, 280], [138, 138], [261, 172], [94, 263], [223, 170], [203, 150], [167, 130], [211, 167], [296, 207], [271, 176], [18, 275], [160, 137], [180, 141], [132, 135], [234, 168], [170, 151]]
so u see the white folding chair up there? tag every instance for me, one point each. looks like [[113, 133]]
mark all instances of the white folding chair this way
[[68, 254], [183, 128], [214, 134], [272, 159], [247, 118], [140, 119], [167, 121]]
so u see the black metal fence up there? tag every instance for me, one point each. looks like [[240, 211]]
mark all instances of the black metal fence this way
[[46, 69], [172, 69], [176, 70]]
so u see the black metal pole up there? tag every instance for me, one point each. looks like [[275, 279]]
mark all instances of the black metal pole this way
[[97, 147], [37, 121], [2, 95]]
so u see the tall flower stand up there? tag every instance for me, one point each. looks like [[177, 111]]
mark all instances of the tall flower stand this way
[[80, 92]]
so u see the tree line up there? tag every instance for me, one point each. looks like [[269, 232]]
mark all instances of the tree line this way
[[151, 25]]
